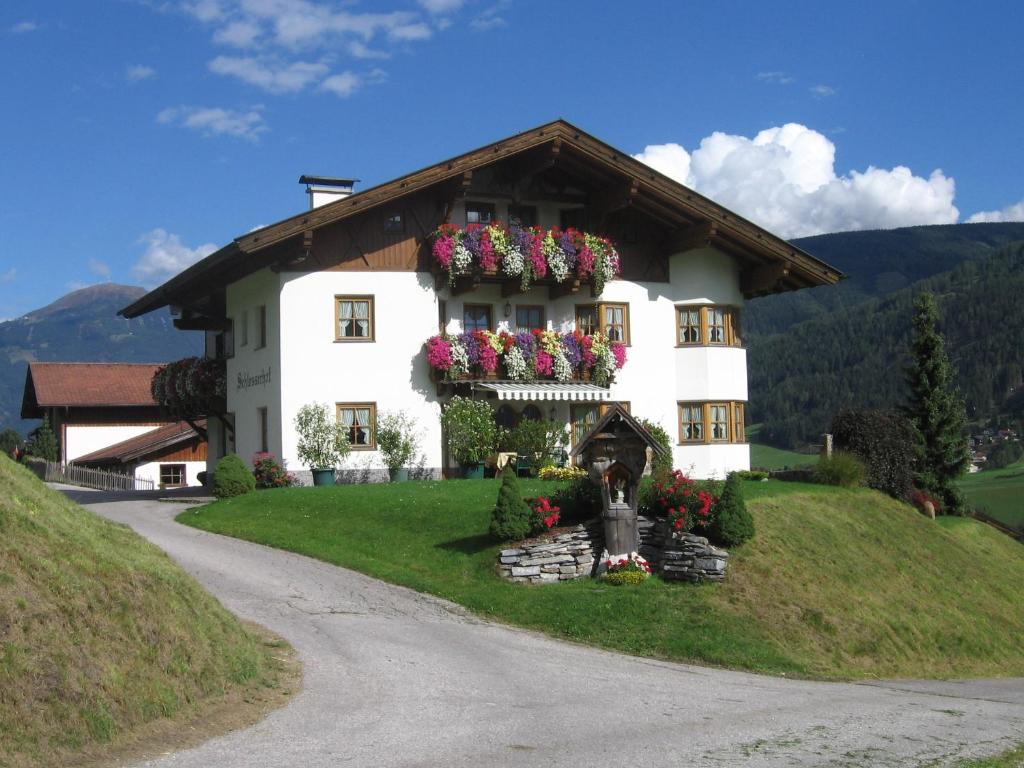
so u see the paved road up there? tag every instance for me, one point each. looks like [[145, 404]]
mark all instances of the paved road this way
[[395, 678]]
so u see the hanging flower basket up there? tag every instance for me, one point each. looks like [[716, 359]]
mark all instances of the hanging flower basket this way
[[191, 388]]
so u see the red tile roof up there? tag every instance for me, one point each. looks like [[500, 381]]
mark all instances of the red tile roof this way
[[136, 447], [90, 384]]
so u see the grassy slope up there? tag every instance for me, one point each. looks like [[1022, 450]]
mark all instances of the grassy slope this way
[[836, 583], [99, 630], [764, 456], [999, 493]]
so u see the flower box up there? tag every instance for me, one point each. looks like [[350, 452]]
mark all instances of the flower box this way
[[525, 254], [191, 388], [524, 356]]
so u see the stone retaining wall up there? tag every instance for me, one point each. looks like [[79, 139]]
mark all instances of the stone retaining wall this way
[[561, 557]]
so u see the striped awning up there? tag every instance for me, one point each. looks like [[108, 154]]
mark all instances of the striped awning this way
[[544, 390]]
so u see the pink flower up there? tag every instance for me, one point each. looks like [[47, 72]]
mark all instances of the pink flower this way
[[544, 363], [488, 256], [439, 353], [584, 263], [488, 359], [443, 249], [619, 353]]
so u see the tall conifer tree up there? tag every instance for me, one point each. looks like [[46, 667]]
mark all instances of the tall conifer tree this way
[[936, 410]]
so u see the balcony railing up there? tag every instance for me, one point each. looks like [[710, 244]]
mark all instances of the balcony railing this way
[[525, 356]]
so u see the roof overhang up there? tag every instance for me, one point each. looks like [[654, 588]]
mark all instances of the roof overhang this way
[[772, 263], [544, 390]]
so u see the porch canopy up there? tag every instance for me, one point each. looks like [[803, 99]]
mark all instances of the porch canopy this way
[[544, 390]]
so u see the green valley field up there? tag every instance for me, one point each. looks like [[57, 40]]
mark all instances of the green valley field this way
[[998, 493], [835, 584]]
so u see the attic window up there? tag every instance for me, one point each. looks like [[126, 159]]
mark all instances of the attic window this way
[[394, 224], [479, 213]]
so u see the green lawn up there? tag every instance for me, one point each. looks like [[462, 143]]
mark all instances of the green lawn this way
[[1013, 758], [768, 457], [836, 583], [999, 493]]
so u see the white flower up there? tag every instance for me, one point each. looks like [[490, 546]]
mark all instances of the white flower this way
[[560, 366], [516, 364], [555, 258], [514, 261], [460, 361], [462, 260]]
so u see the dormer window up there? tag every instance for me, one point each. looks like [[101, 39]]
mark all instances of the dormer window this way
[[479, 213]]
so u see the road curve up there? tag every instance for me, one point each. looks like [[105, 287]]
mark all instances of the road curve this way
[[396, 678]]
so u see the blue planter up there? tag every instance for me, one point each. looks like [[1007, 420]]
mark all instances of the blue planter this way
[[473, 471], [323, 476], [398, 475]]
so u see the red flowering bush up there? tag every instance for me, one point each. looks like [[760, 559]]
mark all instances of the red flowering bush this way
[[270, 474], [545, 514], [627, 570], [920, 498], [685, 503]]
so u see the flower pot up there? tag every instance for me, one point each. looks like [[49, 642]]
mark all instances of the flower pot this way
[[323, 476], [398, 475], [473, 471]]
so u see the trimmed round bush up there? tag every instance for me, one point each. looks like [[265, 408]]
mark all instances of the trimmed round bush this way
[[732, 524], [512, 517], [232, 477], [843, 469]]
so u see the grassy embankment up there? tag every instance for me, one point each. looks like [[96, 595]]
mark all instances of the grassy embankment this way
[[998, 493], [101, 633], [836, 583]]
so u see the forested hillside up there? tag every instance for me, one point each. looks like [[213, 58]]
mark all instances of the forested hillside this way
[[855, 356], [876, 263]]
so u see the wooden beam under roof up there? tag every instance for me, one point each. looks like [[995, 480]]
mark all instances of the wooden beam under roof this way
[[764, 279]]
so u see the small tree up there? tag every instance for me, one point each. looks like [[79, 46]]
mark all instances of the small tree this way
[[9, 440], [323, 441], [512, 517], [663, 462], [397, 439], [232, 477], [43, 443], [732, 524], [539, 440], [936, 411], [469, 425]]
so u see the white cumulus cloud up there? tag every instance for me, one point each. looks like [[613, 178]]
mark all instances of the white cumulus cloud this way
[[343, 85], [99, 268], [216, 121], [269, 74], [784, 179], [1013, 212], [166, 256], [137, 72]]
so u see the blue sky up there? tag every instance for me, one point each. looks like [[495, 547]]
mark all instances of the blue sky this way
[[138, 135]]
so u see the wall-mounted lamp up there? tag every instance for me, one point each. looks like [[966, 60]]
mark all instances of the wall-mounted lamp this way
[[508, 309]]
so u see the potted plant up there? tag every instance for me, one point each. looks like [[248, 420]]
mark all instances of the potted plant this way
[[323, 441], [398, 442], [471, 433]]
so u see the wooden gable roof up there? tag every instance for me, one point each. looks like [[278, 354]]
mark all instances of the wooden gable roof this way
[[617, 413], [770, 263]]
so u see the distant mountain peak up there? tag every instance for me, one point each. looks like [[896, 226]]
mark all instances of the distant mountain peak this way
[[89, 296]]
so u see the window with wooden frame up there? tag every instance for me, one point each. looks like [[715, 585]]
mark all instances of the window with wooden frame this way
[[360, 422], [477, 317], [172, 475], [583, 418], [394, 223], [261, 326], [353, 318], [479, 213], [263, 425], [442, 315], [522, 215], [707, 326], [719, 422], [529, 317], [610, 319]]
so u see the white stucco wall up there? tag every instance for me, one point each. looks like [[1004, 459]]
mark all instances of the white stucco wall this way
[[151, 471], [254, 373], [390, 371], [80, 440]]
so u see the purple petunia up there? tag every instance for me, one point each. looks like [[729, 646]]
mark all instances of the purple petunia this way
[[565, 243], [469, 343], [571, 346], [526, 343], [471, 240]]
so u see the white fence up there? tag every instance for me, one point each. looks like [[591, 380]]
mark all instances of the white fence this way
[[96, 478]]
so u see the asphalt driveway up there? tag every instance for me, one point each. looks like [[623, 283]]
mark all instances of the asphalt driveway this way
[[395, 678]]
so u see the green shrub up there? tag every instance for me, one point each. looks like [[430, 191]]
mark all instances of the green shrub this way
[[232, 477], [731, 524], [884, 442], [539, 440], [840, 468], [1004, 454], [659, 463], [752, 474], [512, 517], [470, 428], [43, 443], [579, 500], [619, 578]]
